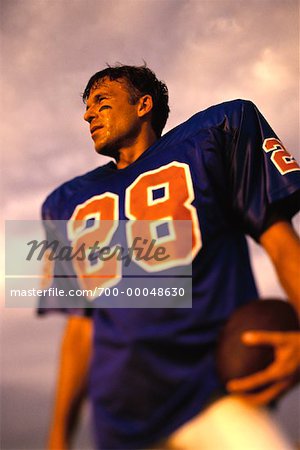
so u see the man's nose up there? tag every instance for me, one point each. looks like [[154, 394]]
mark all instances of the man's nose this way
[[89, 115]]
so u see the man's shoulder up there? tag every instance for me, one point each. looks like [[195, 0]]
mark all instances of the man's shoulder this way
[[63, 193], [226, 115], [218, 111]]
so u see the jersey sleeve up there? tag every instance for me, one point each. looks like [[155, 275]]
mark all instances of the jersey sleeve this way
[[264, 179], [58, 278]]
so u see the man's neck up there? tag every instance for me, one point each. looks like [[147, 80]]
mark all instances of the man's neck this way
[[129, 154]]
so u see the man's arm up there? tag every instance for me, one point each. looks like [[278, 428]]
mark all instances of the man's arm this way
[[283, 246], [71, 382]]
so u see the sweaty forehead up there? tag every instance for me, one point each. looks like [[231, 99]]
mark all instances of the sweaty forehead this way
[[109, 85]]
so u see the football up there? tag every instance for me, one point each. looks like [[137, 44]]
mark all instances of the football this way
[[236, 359]]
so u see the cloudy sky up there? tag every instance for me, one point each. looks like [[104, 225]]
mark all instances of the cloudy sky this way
[[206, 51]]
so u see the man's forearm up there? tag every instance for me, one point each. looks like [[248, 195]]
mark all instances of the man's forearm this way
[[72, 378], [283, 246]]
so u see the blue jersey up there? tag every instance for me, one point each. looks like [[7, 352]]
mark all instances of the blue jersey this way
[[226, 171]]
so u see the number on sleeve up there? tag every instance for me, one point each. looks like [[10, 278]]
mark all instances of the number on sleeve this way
[[281, 158]]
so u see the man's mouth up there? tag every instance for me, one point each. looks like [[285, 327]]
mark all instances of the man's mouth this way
[[94, 128]]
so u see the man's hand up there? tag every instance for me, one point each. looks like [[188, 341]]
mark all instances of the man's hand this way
[[278, 376]]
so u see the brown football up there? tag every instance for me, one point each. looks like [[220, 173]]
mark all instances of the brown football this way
[[235, 359]]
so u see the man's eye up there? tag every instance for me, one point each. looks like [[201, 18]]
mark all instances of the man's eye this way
[[104, 107]]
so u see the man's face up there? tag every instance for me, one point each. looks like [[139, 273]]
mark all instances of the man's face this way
[[114, 122]]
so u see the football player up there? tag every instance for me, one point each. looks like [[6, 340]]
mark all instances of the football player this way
[[152, 376]]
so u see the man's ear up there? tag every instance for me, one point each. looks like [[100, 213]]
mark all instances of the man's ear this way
[[145, 105]]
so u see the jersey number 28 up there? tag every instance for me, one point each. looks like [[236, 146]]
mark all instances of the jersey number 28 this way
[[161, 195]]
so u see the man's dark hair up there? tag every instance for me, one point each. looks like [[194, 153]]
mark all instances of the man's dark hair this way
[[140, 81]]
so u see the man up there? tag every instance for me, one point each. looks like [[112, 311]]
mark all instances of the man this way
[[152, 372]]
